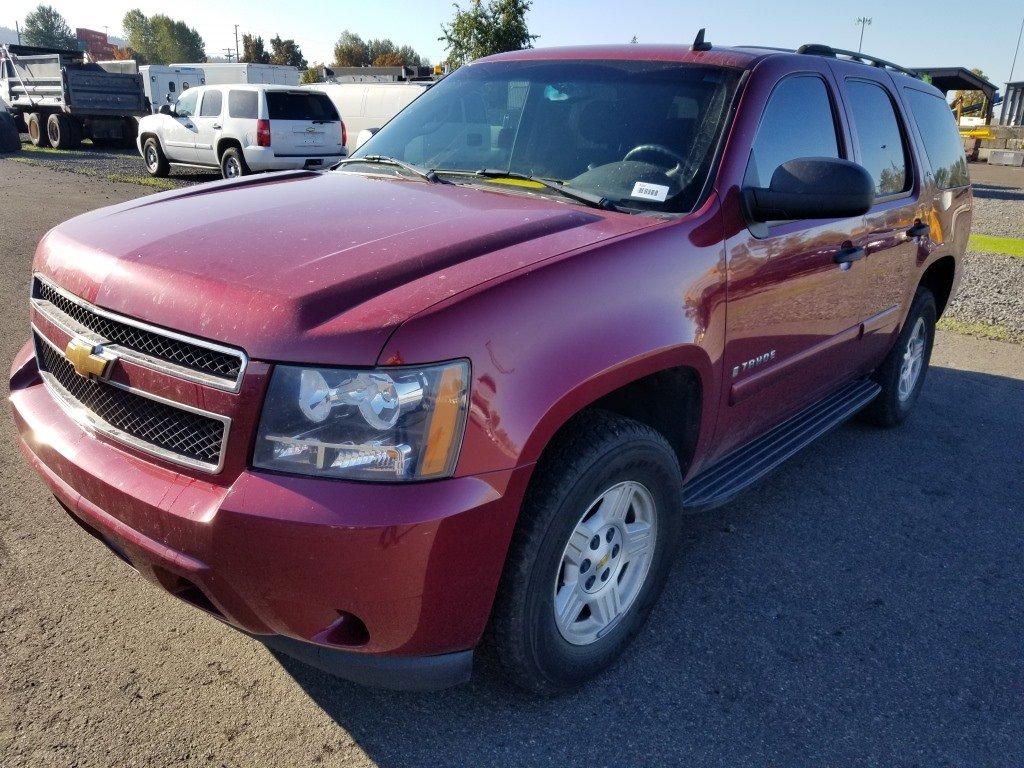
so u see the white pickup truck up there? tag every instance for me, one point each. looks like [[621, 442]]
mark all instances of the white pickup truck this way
[[242, 129]]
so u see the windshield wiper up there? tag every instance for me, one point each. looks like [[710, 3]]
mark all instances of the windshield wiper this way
[[594, 201], [423, 173]]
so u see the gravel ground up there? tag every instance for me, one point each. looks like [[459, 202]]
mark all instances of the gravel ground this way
[[121, 164], [860, 607], [991, 292]]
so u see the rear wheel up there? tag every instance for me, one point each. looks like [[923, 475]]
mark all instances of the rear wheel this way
[[594, 543], [232, 164], [36, 130], [156, 161], [901, 375], [62, 132]]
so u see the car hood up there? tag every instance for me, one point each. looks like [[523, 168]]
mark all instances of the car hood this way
[[309, 267]]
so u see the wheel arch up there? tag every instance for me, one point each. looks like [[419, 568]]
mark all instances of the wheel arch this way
[[665, 391], [939, 278], [224, 143]]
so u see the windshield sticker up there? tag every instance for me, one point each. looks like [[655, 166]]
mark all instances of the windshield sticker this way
[[655, 192]]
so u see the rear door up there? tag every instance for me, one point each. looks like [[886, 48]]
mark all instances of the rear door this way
[[208, 124], [303, 123], [893, 226]]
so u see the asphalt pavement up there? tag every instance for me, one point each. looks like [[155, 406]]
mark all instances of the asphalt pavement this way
[[860, 607]]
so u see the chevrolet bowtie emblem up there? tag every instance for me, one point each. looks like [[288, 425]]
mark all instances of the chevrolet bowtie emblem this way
[[86, 360]]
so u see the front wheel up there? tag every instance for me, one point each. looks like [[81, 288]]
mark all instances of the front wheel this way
[[153, 155], [594, 543], [232, 164], [901, 375]]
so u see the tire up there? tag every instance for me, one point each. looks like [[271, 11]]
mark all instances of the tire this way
[[36, 130], [61, 132], [10, 141], [599, 457], [232, 164], [154, 158], [901, 385]]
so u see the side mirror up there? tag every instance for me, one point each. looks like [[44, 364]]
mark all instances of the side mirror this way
[[166, 109], [812, 188], [365, 135]]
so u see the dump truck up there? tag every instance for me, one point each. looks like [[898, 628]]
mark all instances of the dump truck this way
[[61, 97]]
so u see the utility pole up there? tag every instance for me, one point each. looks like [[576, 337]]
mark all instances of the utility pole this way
[[237, 57], [863, 21], [17, 29], [229, 54]]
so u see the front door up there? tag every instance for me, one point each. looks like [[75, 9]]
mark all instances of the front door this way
[[795, 304], [179, 138]]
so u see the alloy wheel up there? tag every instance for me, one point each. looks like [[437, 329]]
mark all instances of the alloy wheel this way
[[605, 563], [913, 361]]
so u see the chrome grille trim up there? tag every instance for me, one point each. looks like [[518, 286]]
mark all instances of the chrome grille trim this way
[[80, 413], [99, 318]]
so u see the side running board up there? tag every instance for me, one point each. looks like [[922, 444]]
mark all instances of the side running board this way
[[747, 464]]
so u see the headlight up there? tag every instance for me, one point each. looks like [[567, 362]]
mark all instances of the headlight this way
[[386, 424]]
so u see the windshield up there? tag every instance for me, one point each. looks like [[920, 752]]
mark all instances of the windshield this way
[[639, 134]]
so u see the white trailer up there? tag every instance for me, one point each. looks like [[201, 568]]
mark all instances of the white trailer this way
[[163, 84], [368, 105], [229, 74]]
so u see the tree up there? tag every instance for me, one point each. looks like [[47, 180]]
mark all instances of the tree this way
[[970, 98], [48, 29], [253, 50], [350, 51], [159, 39], [312, 75], [482, 30], [410, 58], [286, 52]]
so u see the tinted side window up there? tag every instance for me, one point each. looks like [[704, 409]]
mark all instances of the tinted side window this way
[[212, 101], [243, 104], [941, 138], [798, 122], [882, 149], [186, 106]]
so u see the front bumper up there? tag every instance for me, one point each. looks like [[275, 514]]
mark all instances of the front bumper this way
[[290, 559]]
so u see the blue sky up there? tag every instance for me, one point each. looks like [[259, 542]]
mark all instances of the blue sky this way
[[910, 32]]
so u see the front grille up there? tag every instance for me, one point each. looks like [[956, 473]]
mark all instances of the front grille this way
[[162, 428], [192, 356]]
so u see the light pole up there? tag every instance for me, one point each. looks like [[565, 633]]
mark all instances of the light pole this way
[[863, 21]]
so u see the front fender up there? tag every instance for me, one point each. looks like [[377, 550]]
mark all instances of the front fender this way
[[548, 341]]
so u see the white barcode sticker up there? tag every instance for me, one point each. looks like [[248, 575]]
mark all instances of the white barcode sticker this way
[[645, 191]]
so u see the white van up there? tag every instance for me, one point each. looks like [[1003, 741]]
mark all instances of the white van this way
[[369, 105], [241, 129], [163, 84]]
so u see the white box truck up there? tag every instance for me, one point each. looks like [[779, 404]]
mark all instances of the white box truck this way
[[165, 84], [221, 73], [364, 106]]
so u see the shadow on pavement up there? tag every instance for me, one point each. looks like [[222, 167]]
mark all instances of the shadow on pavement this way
[[862, 606], [996, 192]]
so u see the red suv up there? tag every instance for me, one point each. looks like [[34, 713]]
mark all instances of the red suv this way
[[472, 378]]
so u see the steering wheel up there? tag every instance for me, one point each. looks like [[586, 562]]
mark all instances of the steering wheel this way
[[659, 149]]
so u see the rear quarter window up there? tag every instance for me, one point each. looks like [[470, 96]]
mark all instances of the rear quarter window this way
[[289, 105], [934, 120], [243, 104]]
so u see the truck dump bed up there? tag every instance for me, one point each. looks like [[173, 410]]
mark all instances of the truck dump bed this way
[[63, 81]]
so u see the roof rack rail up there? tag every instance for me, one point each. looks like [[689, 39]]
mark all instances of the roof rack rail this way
[[817, 49]]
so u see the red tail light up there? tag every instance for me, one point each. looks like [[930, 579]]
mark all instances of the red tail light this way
[[344, 134], [262, 133]]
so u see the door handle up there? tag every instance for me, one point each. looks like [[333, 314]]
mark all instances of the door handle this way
[[850, 255], [216, 126], [918, 230]]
